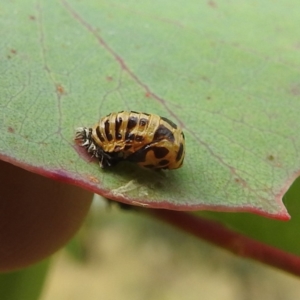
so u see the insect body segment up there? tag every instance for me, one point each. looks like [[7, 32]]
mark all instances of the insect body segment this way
[[149, 140]]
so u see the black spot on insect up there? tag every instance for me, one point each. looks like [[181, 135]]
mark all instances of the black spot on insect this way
[[139, 138], [127, 147], [99, 134], [146, 114], [182, 135], [180, 151], [107, 131], [163, 132], [143, 122], [163, 162], [129, 136], [169, 122], [135, 112], [160, 152], [139, 155], [117, 128], [132, 122]]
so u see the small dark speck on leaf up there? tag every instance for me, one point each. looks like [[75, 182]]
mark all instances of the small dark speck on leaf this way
[[13, 51], [212, 4], [10, 129], [295, 90], [241, 181], [208, 98], [271, 157], [109, 78], [147, 95], [32, 18], [60, 89]]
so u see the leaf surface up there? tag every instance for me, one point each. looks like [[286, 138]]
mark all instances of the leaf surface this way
[[227, 73]]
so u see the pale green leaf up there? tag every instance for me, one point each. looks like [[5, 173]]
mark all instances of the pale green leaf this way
[[227, 72]]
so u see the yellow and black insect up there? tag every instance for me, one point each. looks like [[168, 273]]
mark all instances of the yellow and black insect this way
[[149, 140]]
